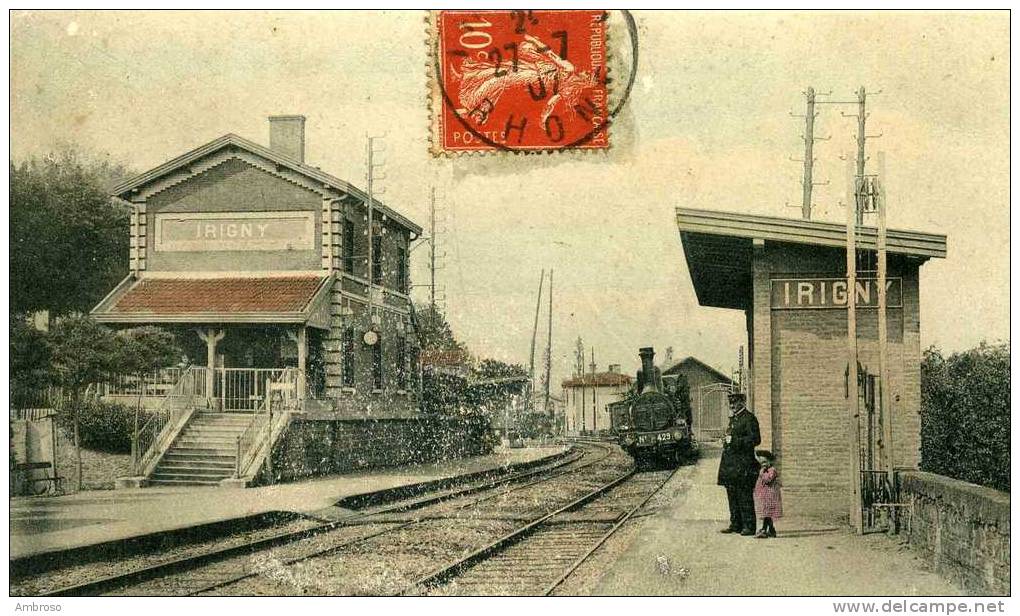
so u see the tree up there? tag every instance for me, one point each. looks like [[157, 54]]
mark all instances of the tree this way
[[495, 369], [69, 242], [579, 357], [141, 351], [30, 361], [965, 414], [83, 353], [434, 332]]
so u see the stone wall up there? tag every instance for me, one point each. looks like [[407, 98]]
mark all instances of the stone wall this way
[[963, 528], [315, 446]]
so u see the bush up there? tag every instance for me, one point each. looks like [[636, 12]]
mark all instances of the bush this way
[[965, 415], [103, 426]]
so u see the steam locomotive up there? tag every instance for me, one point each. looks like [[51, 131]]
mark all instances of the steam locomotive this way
[[648, 423]]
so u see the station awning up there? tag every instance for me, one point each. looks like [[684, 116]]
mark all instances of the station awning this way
[[718, 247], [295, 300]]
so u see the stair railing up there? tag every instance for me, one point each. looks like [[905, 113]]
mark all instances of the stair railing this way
[[258, 436], [149, 439]]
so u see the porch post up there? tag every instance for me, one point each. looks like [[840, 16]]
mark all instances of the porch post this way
[[302, 360], [210, 336]]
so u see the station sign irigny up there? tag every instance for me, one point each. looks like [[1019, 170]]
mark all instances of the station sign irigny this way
[[208, 231], [821, 293]]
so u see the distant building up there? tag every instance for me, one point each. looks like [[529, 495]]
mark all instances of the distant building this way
[[708, 388], [585, 398]]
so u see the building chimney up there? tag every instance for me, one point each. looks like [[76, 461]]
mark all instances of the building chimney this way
[[287, 136]]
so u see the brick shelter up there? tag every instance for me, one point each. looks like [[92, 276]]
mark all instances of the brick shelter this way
[[788, 276]]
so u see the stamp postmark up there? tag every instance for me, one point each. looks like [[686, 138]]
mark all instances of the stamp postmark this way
[[519, 81]]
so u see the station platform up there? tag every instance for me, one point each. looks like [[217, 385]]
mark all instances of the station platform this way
[[46, 524], [678, 550]]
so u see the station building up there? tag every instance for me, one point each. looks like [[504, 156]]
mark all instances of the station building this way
[[788, 277], [259, 262]]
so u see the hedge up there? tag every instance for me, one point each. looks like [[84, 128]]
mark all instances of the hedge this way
[[103, 426], [965, 415]]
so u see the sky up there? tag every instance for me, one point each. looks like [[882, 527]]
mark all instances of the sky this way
[[707, 125]]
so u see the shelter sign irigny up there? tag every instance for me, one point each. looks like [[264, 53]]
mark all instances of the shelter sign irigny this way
[[820, 293]]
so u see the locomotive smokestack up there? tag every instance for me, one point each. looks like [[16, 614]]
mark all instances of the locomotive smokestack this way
[[648, 368]]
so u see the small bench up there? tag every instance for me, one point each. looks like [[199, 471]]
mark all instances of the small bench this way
[[27, 467]]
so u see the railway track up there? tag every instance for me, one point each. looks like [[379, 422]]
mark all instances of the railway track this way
[[536, 559], [218, 571]]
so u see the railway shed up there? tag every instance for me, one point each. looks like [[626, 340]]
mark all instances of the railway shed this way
[[788, 276], [708, 389]]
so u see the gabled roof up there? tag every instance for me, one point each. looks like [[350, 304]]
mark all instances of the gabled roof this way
[[675, 368], [124, 189]]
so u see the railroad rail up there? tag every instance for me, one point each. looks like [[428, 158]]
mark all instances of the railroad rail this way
[[221, 568], [537, 558]]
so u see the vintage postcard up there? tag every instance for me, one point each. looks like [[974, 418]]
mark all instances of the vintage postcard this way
[[711, 305]]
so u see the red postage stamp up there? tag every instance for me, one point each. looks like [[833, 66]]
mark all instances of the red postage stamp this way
[[519, 80]]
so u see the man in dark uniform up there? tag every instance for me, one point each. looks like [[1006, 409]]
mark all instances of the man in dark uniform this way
[[738, 468]]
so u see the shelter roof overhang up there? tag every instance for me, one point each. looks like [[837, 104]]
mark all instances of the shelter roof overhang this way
[[719, 248], [236, 299]]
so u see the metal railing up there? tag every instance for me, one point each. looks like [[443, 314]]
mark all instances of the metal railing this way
[[49, 397], [281, 392], [177, 402], [153, 384], [244, 389]]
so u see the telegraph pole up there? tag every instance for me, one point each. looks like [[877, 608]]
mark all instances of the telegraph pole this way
[[432, 249], [862, 117], [883, 343], [594, 394], [370, 180], [534, 334], [853, 412], [809, 146], [548, 346]]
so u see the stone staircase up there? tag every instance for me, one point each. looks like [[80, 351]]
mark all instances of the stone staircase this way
[[204, 452]]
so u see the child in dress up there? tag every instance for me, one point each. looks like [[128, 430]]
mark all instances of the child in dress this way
[[768, 500]]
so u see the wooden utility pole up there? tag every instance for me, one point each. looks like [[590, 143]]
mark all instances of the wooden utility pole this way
[[432, 250], [809, 146], [371, 207], [862, 138], [548, 345], [534, 335], [888, 456], [853, 412], [594, 394]]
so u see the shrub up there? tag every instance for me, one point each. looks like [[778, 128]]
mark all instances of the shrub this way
[[103, 426], [965, 415]]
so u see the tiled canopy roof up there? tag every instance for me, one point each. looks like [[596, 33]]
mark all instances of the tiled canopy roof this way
[[295, 299], [172, 296]]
